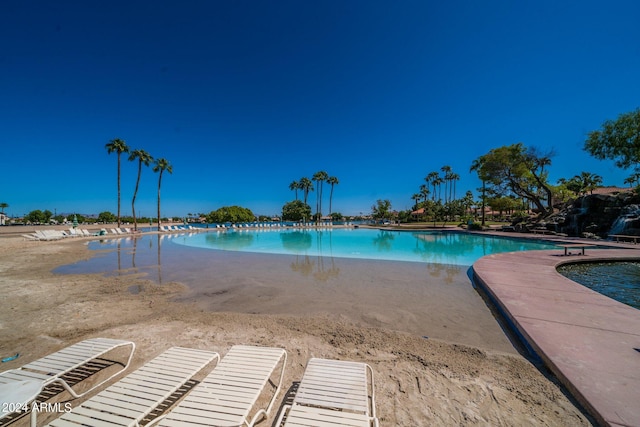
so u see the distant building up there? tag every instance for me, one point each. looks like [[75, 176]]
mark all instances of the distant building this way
[[3, 219]]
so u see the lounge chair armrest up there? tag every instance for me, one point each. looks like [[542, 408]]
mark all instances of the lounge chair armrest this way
[[67, 387], [279, 386], [373, 393], [285, 409]]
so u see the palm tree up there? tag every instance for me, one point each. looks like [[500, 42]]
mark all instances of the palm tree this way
[[305, 185], [438, 182], [143, 157], [589, 181], [454, 177], [294, 186], [476, 166], [333, 181], [117, 146], [447, 177], [161, 165], [319, 177], [634, 178], [431, 179], [416, 197], [424, 192]]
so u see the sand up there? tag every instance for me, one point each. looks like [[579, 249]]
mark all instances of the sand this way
[[458, 376]]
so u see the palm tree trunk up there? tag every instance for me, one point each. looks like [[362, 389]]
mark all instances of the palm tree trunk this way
[[317, 201], [330, 199], [118, 190], [320, 203], [483, 203], [135, 193], [159, 183]]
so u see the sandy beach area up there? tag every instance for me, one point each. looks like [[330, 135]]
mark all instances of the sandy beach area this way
[[465, 373]]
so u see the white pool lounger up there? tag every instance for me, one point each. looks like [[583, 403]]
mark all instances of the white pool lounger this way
[[131, 399], [228, 395], [333, 393]]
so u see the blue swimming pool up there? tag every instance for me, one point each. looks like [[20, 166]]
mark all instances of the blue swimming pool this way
[[435, 247], [398, 280]]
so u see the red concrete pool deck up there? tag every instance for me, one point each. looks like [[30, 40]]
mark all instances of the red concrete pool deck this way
[[589, 341]]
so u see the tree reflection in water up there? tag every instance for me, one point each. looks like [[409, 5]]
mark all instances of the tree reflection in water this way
[[299, 242], [383, 241]]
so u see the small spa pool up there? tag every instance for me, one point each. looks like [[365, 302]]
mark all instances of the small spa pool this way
[[619, 280]]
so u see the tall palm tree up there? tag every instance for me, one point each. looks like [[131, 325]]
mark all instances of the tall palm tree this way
[[319, 177], [438, 183], [305, 185], [431, 178], [454, 178], [424, 192], [161, 165], [476, 166], [117, 146], [143, 158], [447, 177], [295, 186], [332, 180]]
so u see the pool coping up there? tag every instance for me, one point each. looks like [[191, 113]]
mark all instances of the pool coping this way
[[589, 341]]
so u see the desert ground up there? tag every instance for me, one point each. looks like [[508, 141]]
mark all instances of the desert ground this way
[[449, 378]]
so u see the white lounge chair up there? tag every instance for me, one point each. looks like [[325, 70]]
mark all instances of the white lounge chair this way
[[333, 393], [228, 395], [48, 235], [37, 375], [135, 396]]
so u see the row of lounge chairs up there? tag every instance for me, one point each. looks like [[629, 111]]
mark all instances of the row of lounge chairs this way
[[167, 228], [234, 393], [279, 225], [120, 231], [57, 234], [73, 232]]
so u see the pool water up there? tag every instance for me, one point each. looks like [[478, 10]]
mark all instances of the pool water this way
[[359, 275], [619, 280], [453, 248]]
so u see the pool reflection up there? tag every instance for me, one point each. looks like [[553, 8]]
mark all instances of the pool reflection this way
[[157, 257]]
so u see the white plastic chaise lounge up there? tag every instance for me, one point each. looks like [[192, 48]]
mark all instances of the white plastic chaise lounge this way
[[51, 369], [228, 395], [135, 396], [46, 235], [333, 393]]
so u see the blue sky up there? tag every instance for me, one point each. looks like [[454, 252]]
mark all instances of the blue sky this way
[[243, 97]]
